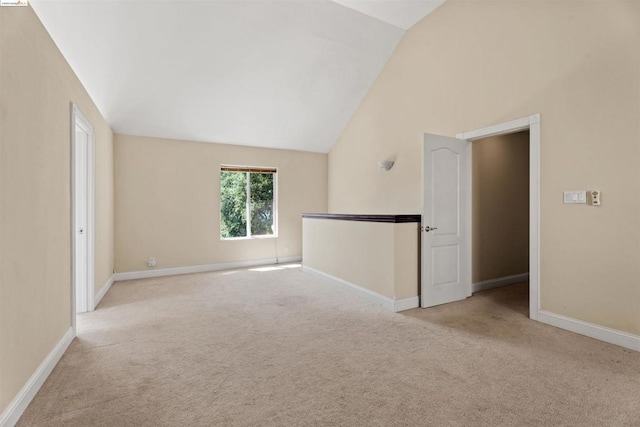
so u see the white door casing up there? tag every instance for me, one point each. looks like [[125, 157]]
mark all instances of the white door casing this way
[[82, 227], [446, 221]]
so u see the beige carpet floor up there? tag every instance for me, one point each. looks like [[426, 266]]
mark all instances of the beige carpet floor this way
[[287, 348]]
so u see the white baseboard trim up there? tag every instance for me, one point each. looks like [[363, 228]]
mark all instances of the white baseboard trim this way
[[352, 288], [201, 268], [16, 408], [374, 297], [602, 333], [103, 291], [500, 281], [407, 303]]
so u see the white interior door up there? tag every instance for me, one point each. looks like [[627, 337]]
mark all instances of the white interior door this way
[[81, 186], [446, 221], [83, 211]]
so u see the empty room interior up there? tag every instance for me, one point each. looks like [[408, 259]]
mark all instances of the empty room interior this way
[[320, 212]]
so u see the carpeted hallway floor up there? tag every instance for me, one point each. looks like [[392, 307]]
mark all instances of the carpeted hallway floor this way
[[281, 347]]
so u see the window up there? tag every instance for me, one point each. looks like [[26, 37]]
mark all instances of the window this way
[[247, 202]]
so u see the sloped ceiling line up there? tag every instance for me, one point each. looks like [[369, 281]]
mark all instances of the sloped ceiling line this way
[[264, 73]]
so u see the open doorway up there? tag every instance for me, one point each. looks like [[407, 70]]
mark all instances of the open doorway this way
[[447, 227], [500, 218], [531, 124]]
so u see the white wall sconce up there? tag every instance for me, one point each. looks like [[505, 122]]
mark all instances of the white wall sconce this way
[[385, 165]]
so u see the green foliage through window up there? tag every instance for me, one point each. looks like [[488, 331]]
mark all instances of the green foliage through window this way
[[236, 207]]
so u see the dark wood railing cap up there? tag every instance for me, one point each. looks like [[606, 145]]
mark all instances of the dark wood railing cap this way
[[395, 219]]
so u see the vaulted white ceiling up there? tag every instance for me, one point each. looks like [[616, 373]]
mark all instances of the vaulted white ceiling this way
[[279, 74]]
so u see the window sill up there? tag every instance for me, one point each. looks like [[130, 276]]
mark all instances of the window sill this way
[[269, 236]]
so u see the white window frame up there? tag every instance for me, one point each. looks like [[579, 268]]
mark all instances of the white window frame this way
[[248, 203]]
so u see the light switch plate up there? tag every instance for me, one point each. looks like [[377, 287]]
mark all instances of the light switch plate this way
[[575, 197]]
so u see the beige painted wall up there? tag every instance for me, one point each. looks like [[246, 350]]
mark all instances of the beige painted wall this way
[[36, 89], [358, 252], [168, 201], [380, 257], [500, 206], [406, 260], [472, 64]]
